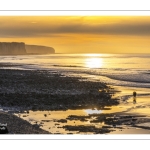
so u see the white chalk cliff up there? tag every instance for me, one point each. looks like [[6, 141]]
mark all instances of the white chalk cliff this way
[[13, 48], [38, 49], [16, 48]]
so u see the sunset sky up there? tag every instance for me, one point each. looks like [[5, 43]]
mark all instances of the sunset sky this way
[[80, 34]]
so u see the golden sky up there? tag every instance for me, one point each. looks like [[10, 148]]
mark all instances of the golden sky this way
[[80, 34]]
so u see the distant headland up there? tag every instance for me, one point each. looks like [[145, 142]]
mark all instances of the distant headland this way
[[20, 48]]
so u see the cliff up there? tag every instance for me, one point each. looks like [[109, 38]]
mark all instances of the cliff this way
[[37, 49], [16, 48], [12, 48]]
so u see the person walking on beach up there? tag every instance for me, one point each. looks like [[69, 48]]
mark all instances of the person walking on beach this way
[[134, 97], [134, 94]]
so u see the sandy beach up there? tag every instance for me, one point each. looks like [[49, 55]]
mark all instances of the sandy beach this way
[[46, 102]]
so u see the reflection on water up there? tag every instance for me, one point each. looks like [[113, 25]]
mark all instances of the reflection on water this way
[[48, 120], [134, 100], [115, 69], [94, 62], [131, 131], [91, 111]]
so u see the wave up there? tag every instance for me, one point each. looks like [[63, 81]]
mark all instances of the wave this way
[[117, 70], [140, 78], [134, 80]]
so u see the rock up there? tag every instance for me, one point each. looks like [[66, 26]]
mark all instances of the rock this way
[[3, 130], [62, 120], [46, 120], [57, 124], [12, 48]]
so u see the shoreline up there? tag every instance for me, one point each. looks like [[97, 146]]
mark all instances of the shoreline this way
[[52, 94]]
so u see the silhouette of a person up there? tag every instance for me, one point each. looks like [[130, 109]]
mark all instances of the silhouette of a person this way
[[134, 94], [134, 97]]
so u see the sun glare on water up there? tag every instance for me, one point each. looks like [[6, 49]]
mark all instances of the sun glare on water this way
[[94, 62]]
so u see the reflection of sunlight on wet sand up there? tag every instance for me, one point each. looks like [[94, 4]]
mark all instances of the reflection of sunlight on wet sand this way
[[49, 122], [94, 62], [131, 130], [95, 111], [142, 106]]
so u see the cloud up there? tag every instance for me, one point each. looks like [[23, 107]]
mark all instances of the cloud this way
[[37, 29], [110, 29]]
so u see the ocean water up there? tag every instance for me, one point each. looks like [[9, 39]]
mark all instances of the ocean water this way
[[131, 70]]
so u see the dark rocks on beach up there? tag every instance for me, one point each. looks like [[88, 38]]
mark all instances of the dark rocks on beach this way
[[3, 129], [17, 125], [81, 118], [46, 120], [57, 124], [87, 129], [62, 120], [45, 90], [108, 121]]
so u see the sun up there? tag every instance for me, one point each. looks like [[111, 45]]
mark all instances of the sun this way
[[94, 62]]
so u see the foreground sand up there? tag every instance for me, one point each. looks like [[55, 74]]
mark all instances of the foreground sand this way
[[56, 103]]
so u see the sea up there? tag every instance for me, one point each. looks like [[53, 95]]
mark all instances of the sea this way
[[129, 70]]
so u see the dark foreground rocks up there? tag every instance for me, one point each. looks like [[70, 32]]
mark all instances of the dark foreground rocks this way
[[89, 128], [17, 125], [49, 90], [109, 122]]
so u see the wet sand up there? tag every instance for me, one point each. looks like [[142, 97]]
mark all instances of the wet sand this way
[[125, 118], [72, 105]]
